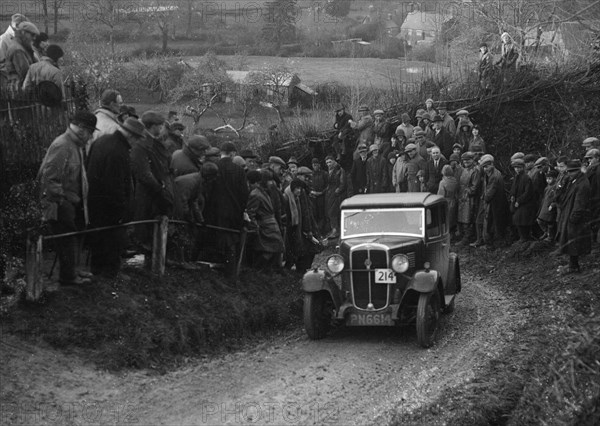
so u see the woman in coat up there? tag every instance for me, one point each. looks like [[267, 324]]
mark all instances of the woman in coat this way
[[522, 201], [336, 188], [575, 236], [448, 188], [268, 244]]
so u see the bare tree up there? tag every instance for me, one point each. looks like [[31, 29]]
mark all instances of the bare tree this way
[[57, 4], [105, 13], [163, 13], [274, 82]]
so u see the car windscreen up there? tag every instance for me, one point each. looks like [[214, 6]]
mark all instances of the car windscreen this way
[[382, 221]]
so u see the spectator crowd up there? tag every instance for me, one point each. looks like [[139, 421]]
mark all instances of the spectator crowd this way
[[111, 167]]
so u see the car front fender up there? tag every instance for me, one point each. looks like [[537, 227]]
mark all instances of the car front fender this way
[[424, 281], [318, 280]]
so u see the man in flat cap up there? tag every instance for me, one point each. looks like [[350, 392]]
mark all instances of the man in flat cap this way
[[7, 39], [442, 137], [173, 136], [317, 195], [189, 159], [364, 128], [448, 122], [228, 202], [414, 163], [493, 207], [19, 55], [575, 236], [154, 193], [277, 167], [251, 159], [111, 194], [64, 191], [589, 143], [358, 172], [523, 203]]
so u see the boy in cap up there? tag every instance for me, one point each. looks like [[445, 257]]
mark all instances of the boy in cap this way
[[547, 215], [64, 193], [341, 139], [522, 201]]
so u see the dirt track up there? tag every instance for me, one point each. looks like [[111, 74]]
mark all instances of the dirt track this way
[[355, 376]]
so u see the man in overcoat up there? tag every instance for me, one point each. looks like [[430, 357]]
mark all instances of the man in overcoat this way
[[334, 194], [493, 199], [110, 195], [434, 170], [342, 140], [575, 237], [64, 191], [442, 137], [523, 203], [468, 197], [189, 159], [358, 172], [377, 172], [154, 193]]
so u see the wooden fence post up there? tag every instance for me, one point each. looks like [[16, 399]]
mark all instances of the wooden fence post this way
[[159, 245], [33, 267]]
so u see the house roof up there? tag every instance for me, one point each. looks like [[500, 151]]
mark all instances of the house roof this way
[[237, 76], [425, 21]]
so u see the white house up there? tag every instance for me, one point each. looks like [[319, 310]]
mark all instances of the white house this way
[[422, 27]]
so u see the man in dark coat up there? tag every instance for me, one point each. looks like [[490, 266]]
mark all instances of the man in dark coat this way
[[522, 201], [592, 172], [110, 195], [63, 184], [575, 237], [189, 159], [343, 139], [229, 200], [434, 169], [378, 176], [358, 173], [334, 194], [442, 137], [154, 196], [317, 195], [495, 205]]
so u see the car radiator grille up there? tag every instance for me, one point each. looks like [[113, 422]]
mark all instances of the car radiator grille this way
[[363, 278]]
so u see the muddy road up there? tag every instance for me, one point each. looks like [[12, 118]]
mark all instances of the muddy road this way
[[354, 376]]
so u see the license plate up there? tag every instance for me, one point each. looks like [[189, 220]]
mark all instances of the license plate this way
[[385, 276], [368, 319]]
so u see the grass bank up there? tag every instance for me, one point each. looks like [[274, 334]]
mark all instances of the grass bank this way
[[157, 323], [549, 373]]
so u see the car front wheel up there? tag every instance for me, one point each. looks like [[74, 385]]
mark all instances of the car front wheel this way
[[318, 312], [428, 315]]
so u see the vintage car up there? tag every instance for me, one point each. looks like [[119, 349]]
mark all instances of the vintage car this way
[[393, 267]]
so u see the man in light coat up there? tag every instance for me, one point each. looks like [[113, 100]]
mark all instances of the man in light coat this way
[[108, 114], [64, 190]]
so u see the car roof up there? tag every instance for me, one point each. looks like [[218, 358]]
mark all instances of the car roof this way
[[397, 199]]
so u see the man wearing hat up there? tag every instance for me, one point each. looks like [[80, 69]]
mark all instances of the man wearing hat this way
[[173, 136], [277, 166], [108, 113], [8, 37], [251, 159], [523, 203], [212, 155], [448, 122], [111, 194], [64, 191], [381, 128], [334, 194], [154, 192], [575, 236], [46, 70], [589, 143], [19, 55], [341, 142], [493, 207], [189, 159], [468, 197], [592, 172], [538, 178], [486, 68], [364, 127], [358, 172], [378, 174], [414, 164], [442, 137], [317, 195], [291, 172]]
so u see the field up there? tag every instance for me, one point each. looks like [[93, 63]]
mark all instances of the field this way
[[360, 72]]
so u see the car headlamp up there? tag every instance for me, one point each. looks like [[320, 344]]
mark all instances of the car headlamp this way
[[335, 264], [400, 263]]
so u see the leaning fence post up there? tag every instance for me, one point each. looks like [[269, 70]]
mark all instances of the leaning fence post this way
[[159, 245], [33, 267]]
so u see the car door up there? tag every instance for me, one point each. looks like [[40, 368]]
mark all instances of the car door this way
[[437, 238]]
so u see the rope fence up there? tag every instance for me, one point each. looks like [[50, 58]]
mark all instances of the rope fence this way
[[35, 246]]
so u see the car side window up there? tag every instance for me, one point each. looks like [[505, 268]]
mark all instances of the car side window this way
[[433, 222]]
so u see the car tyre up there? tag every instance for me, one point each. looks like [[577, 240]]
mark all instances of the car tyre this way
[[318, 313], [428, 316], [454, 283]]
